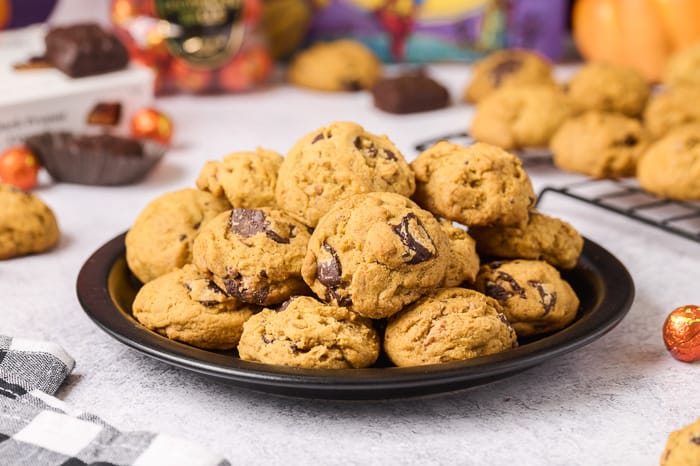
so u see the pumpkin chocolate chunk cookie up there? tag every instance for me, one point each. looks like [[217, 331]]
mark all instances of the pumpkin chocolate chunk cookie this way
[[671, 166], [534, 297], [254, 254], [547, 238], [160, 240], [683, 446], [601, 145], [27, 225], [246, 179], [477, 185], [376, 253], [609, 88], [335, 162], [341, 65], [306, 333], [186, 305], [507, 68], [519, 117], [450, 324]]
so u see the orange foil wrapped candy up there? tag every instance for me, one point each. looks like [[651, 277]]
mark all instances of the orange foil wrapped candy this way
[[195, 46], [19, 167], [682, 333], [151, 124]]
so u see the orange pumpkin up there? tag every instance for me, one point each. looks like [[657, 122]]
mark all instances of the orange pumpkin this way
[[639, 33], [5, 12]]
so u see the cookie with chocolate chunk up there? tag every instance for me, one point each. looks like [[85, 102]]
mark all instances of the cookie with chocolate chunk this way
[[307, 333], [507, 68], [187, 306], [520, 117], [341, 65], [607, 87], [683, 446], [160, 240], [599, 144], [27, 225], [542, 237], [534, 297], [449, 324], [672, 108], [477, 185], [375, 253], [254, 254], [410, 93], [335, 162], [671, 166], [246, 179]]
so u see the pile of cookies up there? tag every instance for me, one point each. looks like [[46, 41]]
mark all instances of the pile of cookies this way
[[304, 260], [604, 122]]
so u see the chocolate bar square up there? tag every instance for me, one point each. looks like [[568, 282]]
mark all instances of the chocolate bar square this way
[[84, 49]]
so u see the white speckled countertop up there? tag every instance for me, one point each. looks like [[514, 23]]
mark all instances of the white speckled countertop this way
[[612, 402]]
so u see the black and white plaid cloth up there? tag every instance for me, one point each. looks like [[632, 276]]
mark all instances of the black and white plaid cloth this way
[[37, 429]]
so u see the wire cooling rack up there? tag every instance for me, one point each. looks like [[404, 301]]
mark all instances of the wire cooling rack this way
[[623, 197], [529, 157]]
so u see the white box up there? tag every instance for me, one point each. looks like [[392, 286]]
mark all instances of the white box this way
[[37, 100]]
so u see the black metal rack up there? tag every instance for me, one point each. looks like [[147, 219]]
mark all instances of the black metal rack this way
[[623, 197], [681, 218]]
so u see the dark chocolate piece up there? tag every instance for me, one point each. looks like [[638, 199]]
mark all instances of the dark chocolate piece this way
[[329, 272], [250, 222], [503, 69], [695, 440], [236, 286], [411, 231], [105, 114], [317, 138], [84, 50], [410, 93], [548, 300], [497, 291]]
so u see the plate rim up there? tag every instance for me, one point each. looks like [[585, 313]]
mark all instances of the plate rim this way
[[371, 383]]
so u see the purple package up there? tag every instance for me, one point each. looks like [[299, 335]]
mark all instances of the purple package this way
[[19, 13], [439, 30]]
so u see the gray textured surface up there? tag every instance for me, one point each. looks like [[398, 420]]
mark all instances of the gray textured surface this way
[[610, 403]]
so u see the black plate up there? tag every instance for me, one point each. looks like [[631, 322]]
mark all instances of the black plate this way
[[106, 290]]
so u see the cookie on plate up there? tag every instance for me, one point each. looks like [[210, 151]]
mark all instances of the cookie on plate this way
[[246, 179], [477, 185], [341, 65], [27, 225], [463, 261], [335, 162], [683, 69], [683, 446], [254, 254], [670, 109], [542, 237], [376, 253], [671, 166], [606, 87], [187, 306], [449, 324], [534, 297], [160, 240], [306, 333], [519, 117], [601, 145], [507, 68]]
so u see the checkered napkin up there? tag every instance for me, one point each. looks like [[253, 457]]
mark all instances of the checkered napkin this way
[[37, 429]]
